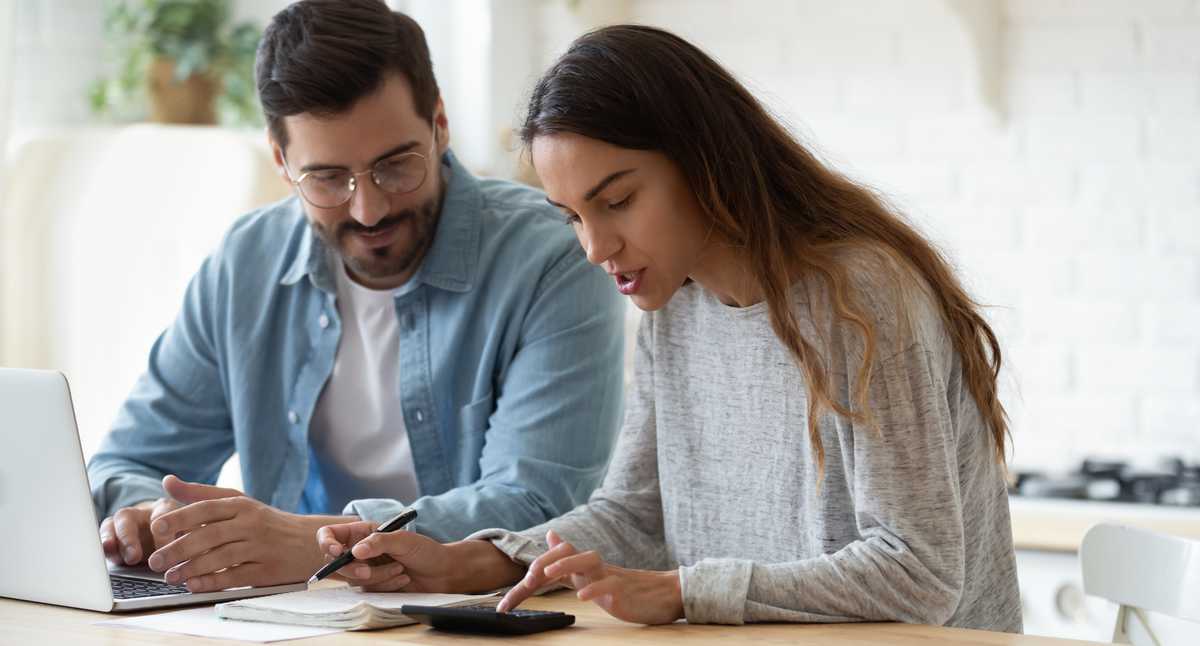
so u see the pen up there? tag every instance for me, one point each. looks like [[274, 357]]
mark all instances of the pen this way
[[345, 558]]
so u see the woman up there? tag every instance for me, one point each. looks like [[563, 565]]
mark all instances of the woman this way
[[814, 433]]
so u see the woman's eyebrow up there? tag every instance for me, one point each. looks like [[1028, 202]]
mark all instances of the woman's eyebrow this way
[[587, 197], [595, 190]]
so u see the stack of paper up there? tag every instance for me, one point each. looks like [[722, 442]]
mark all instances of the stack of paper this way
[[346, 608], [203, 622]]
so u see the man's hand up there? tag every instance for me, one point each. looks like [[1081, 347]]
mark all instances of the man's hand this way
[[126, 535], [220, 538], [639, 596]]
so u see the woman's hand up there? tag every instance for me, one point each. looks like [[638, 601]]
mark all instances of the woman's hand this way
[[639, 596], [400, 560]]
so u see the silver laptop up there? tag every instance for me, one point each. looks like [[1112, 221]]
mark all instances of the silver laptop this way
[[47, 517]]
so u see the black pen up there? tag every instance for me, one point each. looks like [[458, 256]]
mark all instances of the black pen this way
[[345, 558]]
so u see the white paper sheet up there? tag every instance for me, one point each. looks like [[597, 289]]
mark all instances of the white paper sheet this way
[[341, 599], [204, 622], [342, 607]]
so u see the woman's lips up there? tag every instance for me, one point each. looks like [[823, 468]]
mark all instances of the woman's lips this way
[[628, 282]]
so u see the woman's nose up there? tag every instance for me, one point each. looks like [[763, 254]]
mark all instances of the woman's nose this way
[[598, 245]]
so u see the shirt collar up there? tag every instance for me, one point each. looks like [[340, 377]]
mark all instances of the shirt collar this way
[[449, 264]]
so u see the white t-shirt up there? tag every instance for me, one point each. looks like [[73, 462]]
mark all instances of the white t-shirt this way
[[358, 429]]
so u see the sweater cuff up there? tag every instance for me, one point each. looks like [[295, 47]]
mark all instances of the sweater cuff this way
[[518, 547], [521, 549], [714, 590]]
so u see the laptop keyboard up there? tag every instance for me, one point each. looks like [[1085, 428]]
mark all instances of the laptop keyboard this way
[[130, 588]]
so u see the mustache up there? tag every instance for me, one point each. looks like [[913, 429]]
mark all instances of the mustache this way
[[382, 225]]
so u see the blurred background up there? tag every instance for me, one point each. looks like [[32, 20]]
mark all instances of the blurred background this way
[[1051, 147]]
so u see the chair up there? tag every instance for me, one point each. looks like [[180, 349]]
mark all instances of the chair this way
[[1155, 579], [100, 231]]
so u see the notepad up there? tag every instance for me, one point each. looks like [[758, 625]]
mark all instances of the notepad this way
[[343, 607]]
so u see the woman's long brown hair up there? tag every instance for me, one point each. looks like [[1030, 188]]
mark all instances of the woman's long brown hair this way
[[643, 88]]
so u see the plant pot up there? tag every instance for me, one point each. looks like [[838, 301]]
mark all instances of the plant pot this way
[[193, 100]]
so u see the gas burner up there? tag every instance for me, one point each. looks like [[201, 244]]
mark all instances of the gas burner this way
[[1170, 481]]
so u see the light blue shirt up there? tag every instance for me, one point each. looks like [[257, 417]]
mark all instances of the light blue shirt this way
[[510, 355]]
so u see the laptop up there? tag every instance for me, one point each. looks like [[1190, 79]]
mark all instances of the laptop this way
[[47, 517]]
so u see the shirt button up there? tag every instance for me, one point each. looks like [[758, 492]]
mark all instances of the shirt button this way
[[323, 321], [293, 417], [420, 416]]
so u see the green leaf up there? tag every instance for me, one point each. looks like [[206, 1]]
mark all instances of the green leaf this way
[[196, 34]]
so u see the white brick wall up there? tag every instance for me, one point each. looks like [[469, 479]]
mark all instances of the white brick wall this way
[[1078, 214], [55, 58]]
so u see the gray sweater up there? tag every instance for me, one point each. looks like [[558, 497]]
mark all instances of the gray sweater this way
[[714, 473]]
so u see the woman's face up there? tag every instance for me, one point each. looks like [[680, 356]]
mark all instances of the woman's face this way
[[632, 211]]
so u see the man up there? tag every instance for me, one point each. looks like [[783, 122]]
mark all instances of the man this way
[[398, 333]]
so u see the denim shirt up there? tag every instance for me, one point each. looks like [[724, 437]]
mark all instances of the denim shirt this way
[[510, 357]]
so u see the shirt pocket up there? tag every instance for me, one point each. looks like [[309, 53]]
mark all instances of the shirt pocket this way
[[472, 424], [474, 416]]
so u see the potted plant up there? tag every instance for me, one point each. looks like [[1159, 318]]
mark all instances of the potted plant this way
[[185, 57]]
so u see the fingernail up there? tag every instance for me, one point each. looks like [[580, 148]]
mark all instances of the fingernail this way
[[362, 571], [172, 576], [155, 562], [130, 554], [158, 527], [403, 580], [335, 550]]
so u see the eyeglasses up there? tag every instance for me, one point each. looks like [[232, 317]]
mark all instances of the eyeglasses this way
[[332, 187]]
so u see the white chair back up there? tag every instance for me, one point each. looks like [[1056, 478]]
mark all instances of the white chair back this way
[[1155, 578], [100, 231]]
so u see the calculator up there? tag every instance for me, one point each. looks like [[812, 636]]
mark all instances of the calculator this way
[[486, 620]]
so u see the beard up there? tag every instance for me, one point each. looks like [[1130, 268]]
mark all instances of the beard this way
[[396, 259]]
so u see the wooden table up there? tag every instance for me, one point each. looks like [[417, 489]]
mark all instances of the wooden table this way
[[41, 625]]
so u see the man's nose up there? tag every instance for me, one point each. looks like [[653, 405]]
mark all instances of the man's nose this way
[[368, 204]]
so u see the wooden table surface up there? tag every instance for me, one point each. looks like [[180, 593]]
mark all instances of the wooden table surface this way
[[42, 625]]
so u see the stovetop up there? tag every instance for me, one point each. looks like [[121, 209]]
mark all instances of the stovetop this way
[[1169, 482]]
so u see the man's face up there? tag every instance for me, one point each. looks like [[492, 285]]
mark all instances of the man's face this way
[[381, 236]]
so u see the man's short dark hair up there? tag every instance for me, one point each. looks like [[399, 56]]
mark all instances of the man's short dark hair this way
[[321, 56]]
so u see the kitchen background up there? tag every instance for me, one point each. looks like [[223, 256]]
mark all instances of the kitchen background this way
[[1051, 146]]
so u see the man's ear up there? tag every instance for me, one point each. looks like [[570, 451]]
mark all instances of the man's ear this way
[[442, 124], [277, 157]]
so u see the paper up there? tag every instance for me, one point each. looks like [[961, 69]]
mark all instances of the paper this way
[[204, 622], [343, 598], [342, 607]]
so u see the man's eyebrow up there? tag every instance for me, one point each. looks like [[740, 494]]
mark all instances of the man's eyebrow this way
[[595, 190], [402, 148]]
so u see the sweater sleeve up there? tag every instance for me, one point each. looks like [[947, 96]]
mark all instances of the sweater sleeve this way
[[622, 520], [907, 563]]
